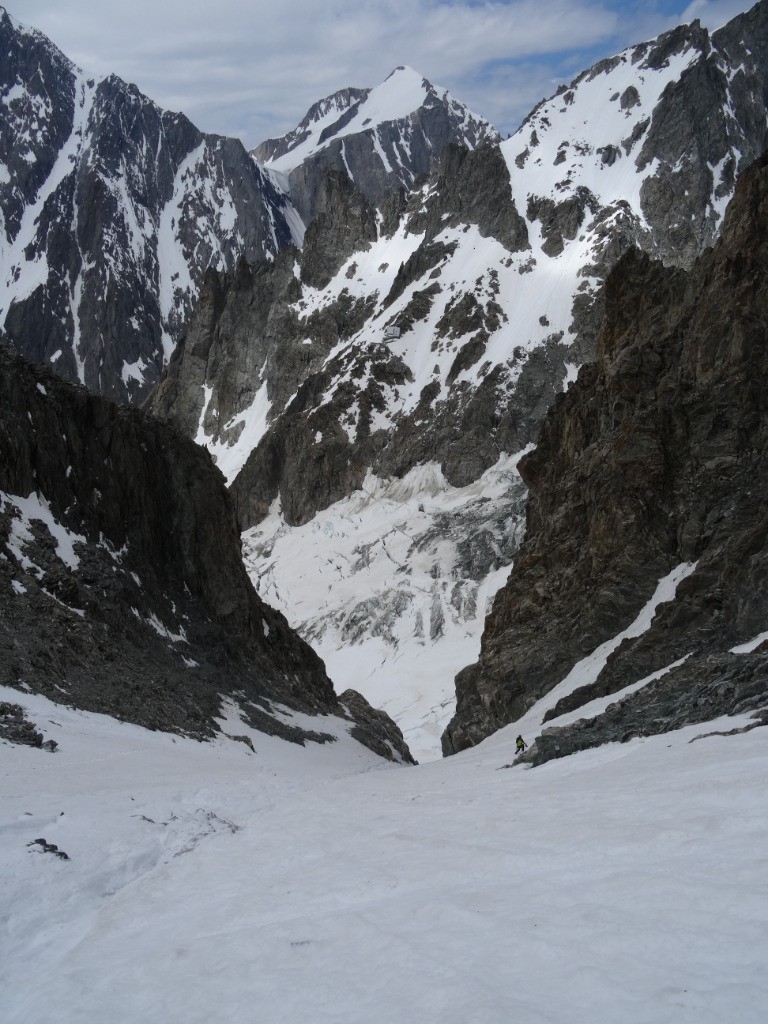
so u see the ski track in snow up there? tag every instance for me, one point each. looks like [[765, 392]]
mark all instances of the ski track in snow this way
[[622, 885]]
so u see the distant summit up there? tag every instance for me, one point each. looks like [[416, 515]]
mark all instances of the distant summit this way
[[383, 138], [111, 210]]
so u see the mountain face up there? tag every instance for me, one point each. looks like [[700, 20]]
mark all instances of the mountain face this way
[[653, 463], [112, 210], [123, 589], [493, 274], [382, 138]]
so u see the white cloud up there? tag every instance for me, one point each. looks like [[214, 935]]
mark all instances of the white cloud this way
[[253, 69], [714, 13]]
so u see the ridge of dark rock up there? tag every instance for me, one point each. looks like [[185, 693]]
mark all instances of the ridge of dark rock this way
[[343, 100], [122, 587]]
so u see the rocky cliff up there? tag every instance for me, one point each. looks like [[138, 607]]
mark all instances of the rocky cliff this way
[[122, 588], [655, 459], [284, 373], [112, 211]]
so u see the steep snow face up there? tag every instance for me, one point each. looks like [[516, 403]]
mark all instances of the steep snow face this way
[[589, 135], [621, 884], [111, 210], [356, 111], [392, 585], [619, 141]]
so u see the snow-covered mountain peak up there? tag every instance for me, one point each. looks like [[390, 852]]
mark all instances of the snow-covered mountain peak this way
[[352, 111], [382, 138]]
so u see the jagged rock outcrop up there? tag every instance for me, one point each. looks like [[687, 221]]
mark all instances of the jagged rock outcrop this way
[[112, 210], [382, 138], [239, 336], [344, 222], [15, 727], [122, 588], [373, 728], [656, 456]]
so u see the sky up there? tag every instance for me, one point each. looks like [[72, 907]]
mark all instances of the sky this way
[[252, 69]]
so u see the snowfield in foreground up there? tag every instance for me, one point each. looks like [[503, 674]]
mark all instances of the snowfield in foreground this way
[[206, 883]]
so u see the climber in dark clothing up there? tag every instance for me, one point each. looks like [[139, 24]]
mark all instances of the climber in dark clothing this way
[[520, 744]]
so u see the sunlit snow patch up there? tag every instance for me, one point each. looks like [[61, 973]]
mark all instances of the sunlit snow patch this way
[[750, 645], [35, 508]]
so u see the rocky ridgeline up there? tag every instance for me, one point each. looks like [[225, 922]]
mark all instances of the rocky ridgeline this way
[[380, 151], [114, 209], [124, 205], [122, 588], [655, 457]]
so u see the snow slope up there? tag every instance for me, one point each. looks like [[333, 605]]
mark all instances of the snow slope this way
[[621, 885]]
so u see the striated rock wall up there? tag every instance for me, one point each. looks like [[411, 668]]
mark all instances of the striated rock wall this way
[[656, 456]]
